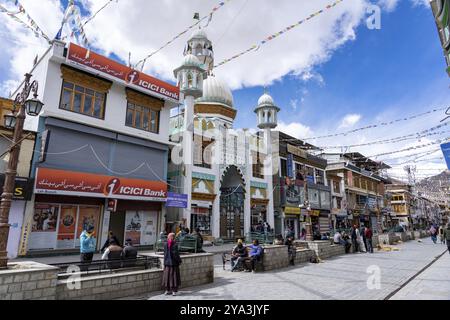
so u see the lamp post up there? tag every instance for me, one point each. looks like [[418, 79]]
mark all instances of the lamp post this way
[[16, 122]]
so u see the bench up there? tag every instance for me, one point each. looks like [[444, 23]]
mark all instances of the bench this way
[[107, 266], [187, 244], [226, 257]]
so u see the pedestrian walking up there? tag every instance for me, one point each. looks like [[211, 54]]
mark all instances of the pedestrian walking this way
[[447, 237], [172, 262], [369, 238], [355, 239], [433, 232], [87, 247], [442, 234]]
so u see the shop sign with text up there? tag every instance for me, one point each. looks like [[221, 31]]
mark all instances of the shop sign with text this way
[[92, 60], [59, 182]]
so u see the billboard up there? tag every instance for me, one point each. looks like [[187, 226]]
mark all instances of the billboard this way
[[80, 56]]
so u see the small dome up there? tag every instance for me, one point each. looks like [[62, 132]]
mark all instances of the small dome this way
[[266, 100], [199, 34], [216, 91], [191, 61]]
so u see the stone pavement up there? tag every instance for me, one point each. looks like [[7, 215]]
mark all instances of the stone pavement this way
[[340, 278], [432, 284]]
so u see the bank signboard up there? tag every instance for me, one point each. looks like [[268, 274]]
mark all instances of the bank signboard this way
[[59, 182], [80, 56]]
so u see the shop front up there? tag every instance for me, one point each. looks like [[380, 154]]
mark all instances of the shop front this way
[[23, 190], [293, 222], [259, 203], [68, 202], [201, 216]]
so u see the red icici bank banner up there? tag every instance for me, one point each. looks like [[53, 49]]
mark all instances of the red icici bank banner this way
[[59, 182], [110, 67]]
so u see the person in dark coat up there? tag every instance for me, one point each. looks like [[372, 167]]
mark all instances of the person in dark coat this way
[[129, 254], [172, 262], [111, 238]]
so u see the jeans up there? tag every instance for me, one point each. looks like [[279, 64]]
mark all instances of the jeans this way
[[448, 246], [86, 259], [236, 262], [369, 244]]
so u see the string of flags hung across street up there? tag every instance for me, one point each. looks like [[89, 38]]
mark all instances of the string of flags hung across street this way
[[30, 24], [256, 47], [196, 17]]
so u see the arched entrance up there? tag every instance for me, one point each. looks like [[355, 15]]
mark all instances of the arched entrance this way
[[232, 200]]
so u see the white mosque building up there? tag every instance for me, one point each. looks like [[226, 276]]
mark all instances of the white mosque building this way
[[227, 174]]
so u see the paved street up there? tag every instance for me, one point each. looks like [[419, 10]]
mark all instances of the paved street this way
[[341, 278], [432, 284]]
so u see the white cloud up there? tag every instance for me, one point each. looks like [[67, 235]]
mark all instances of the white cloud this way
[[296, 130], [388, 5], [141, 26], [349, 121], [294, 104]]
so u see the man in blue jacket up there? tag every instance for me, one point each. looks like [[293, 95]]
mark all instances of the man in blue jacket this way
[[87, 246], [255, 254]]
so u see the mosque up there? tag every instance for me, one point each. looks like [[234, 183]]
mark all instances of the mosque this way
[[228, 173]]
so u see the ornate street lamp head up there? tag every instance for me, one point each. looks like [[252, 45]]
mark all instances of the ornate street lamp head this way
[[33, 107], [10, 121]]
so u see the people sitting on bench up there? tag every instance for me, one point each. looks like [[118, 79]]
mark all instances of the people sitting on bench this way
[[238, 255], [129, 254], [113, 254], [255, 253]]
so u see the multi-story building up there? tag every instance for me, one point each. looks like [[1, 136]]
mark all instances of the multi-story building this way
[[101, 151], [224, 180], [404, 204], [441, 12], [364, 189], [302, 194], [23, 188]]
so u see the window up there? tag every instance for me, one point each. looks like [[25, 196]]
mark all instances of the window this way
[[82, 100], [336, 186], [202, 152], [299, 169], [142, 118], [325, 200], [320, 177]]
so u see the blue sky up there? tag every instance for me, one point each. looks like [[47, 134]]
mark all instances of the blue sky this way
[[402, 64]]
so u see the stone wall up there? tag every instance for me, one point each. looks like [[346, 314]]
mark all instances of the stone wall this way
[[402, 236], [28, 281], [410, 235], [387, 239], [325, 250], [275, 257], [195, 270], [111, 286], [303, 256], [417, 234]]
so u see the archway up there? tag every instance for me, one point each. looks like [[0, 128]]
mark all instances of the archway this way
[[232, 201]]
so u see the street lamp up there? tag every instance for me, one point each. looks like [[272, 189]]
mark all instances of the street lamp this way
[[15, 121]]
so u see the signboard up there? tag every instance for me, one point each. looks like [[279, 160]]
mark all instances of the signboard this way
[[23, 188], [112, 205], [175, 200], [446, 150], [59, 182], [292, 210], [297, 151], [99, 63]]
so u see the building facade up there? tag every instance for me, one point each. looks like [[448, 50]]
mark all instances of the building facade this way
[[303, 196], [228, 193], [101, 152]]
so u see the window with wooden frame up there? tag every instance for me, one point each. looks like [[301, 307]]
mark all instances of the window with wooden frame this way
[[143, 112], [82, 93]]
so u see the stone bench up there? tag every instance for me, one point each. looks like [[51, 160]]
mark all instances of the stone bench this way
[[402, 236]]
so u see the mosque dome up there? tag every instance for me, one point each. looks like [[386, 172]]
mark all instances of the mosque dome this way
[[191, 61], [216, 91], [266, 100], [199, 34]]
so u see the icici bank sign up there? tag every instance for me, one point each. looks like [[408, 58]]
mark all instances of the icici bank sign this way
[[79, 55], [60, 182]]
